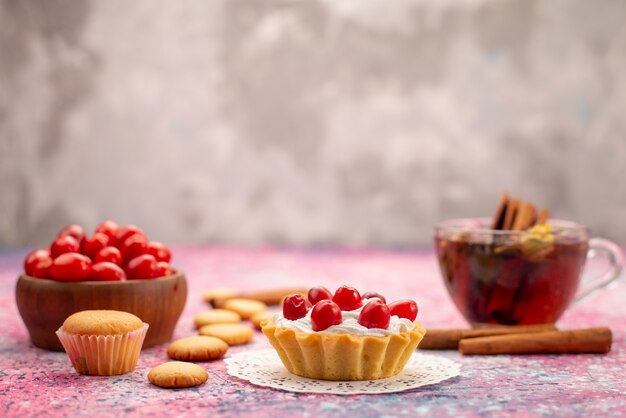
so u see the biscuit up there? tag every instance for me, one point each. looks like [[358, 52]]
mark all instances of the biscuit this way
[[102, 322], [245, 307], [232, 334], [219, 293], [178, 374], [259, 317], [197, 348], [216, 316]]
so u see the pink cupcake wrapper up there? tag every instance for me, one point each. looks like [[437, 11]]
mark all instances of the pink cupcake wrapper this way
[[103, 355]]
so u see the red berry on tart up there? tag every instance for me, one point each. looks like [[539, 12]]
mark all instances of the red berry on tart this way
[[348, 298], [404, 308], [317, 293], [294, 307], [325, 314], [375, 315], [371, 295]]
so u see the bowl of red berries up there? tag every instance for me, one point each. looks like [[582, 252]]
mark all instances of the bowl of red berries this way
[[115, 268]]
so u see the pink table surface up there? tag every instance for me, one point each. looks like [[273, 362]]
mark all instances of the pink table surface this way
[[35, 382]]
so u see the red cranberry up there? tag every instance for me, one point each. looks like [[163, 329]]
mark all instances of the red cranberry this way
[[37, 264], [371, 295], [294, 307], [107, 272], [109, 228], [142, 267], [347, 298], [375, 315], [134, 246], [159, 251], [70, 267], [110, 254], [318, 293], [164, 269], [75, 231], [63, 245], [91, 246], [404, 308], [325, 313]]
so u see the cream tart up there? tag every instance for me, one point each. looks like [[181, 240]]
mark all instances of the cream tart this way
[[344, 337]]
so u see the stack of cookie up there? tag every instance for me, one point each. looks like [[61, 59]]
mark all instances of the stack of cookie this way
[[218, 328]]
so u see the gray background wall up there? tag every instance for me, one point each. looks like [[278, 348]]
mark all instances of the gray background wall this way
[[306, 122]]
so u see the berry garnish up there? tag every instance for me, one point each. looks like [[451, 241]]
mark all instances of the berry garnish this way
[[70, 267], [64, 244], [371, 295], [107, 272], [325, 313], [375, 315], [294, 307], [404, 308], [318, 293], [347, 298]]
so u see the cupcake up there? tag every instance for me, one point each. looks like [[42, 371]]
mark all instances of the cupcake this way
[[103, 343], [344, 336]]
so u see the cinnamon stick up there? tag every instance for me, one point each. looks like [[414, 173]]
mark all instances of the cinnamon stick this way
[[543, 216], [448, 339], [269, 297], [511, 213], [591, 340], [525, 215], [498, 218]]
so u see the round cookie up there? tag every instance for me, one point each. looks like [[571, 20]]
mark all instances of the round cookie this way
[[259, 317], [232, 334], [219, 293], [101, 322], [197, 348], [245, 307], [178, 374], [216, 316]]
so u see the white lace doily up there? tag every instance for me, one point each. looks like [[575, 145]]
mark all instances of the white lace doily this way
[[264, 368]]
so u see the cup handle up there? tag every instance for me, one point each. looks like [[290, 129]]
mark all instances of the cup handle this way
[[615, 256]]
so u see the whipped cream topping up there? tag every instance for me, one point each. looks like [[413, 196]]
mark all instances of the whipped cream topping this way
[[349, 324]]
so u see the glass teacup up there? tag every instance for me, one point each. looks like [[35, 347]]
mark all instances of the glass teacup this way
[[498, 277]]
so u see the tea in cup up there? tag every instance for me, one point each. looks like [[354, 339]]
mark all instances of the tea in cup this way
[[519, 277]]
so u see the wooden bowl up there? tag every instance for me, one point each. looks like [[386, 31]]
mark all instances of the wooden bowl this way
[[45, 304]]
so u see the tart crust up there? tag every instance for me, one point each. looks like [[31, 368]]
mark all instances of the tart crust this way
[[343, 356]]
